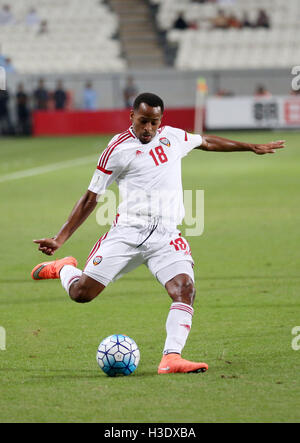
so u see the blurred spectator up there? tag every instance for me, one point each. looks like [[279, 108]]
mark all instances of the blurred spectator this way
[[89, 97], [60, 96], [234, 22], [130, 92], [5, 121], [180, 23], [32, 18], [262, 20], [43, 29], [2, 58], [194, 25], [9, 67], [41, 96], [261, 91], [220, 21], [6, 16], [246, 21], [226, 2], [23, 113], [5, 62]]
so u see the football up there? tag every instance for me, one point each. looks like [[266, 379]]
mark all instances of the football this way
[[118, 354]]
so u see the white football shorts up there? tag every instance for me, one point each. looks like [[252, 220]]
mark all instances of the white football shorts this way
[[124, 248]]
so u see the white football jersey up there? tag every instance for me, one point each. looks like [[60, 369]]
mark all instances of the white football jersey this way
[[148, 175]]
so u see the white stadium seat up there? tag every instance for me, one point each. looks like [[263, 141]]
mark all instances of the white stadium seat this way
[[205, 48], [80, 37]]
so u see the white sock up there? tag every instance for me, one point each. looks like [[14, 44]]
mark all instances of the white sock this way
[[68, 275], [178, 326]]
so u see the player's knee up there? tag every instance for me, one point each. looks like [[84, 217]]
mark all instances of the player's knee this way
[[182, 289], [81, 294], [85, 289]]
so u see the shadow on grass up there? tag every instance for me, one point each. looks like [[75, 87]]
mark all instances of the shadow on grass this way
[[32, 375]]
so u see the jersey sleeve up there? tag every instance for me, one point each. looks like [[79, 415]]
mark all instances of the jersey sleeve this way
[[187, 141], [191, 141], [108, 169]]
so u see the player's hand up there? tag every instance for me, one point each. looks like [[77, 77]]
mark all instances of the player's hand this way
[[268, 148], [47, 245]]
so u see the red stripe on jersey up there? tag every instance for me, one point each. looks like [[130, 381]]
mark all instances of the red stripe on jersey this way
[[112, 148], [104, 170], [185, 137], [106, 154]]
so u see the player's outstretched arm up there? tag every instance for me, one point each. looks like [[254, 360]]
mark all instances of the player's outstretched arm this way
[[83, 208], [220, 144]]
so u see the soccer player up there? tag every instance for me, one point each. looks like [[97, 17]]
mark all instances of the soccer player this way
[[145, 162]]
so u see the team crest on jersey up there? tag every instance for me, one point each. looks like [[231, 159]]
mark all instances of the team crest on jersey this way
[[97, 260], [165, 141], [138, 152]]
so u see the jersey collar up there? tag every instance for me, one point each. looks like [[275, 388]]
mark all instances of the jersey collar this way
[[133, 133]]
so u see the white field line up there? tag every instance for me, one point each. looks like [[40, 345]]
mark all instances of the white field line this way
[[48, 168]]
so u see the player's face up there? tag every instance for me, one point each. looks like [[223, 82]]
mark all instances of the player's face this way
[[146, 121]]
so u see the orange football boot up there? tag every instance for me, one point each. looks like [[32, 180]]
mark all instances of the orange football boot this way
[[171, 363], [51, 269]]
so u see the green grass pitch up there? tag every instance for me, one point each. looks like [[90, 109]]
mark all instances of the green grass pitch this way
[[248, 296]]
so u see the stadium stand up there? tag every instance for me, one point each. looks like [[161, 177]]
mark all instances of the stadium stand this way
[[202, 47], [138, 34], [64, 36]]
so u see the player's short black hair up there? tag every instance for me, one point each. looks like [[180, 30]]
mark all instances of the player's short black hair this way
[[152, 100]]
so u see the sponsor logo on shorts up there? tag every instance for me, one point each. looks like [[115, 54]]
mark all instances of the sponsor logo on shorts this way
[[97, 260], [165, 141]]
